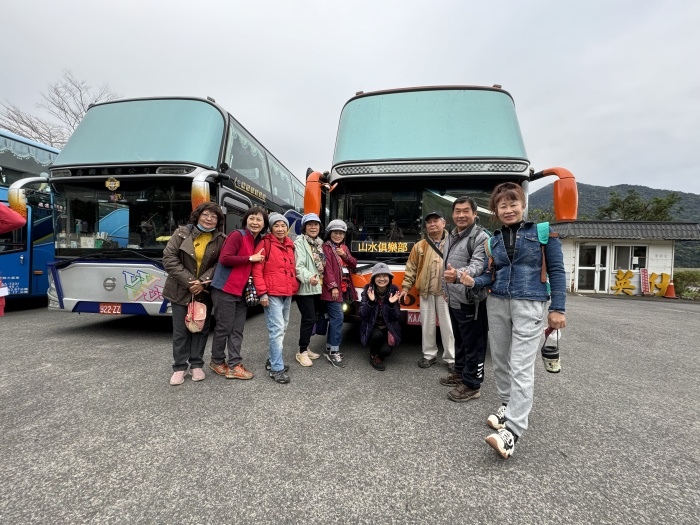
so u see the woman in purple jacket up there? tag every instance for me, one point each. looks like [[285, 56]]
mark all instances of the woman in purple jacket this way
[[336, 285]]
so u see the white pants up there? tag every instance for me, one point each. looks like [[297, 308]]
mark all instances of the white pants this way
[[430, 307], [516, 329]]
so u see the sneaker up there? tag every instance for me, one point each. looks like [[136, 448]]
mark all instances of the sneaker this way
[[178, 377], [427, 362], [377, 363], [220, 368], [268, 366], [553, 366], [197, 374], [327, 352], [497, 421], [280, 377], [450, 368], [502, 442], [453, 379], [462, 393], [304, 359], [336, 359], [312, 355], [239, 372]]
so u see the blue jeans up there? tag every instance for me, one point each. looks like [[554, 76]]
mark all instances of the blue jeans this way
[[277, 319], [335, 326]]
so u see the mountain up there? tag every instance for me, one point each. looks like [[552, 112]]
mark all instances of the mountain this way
[[591, 197]]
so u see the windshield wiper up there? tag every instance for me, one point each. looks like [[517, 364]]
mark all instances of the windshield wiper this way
[[386, 261]]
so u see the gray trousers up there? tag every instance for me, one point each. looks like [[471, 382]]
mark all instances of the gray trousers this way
[[230, 312], [516, 327]]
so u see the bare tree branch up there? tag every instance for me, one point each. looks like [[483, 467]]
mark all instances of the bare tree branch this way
[[66, 101]]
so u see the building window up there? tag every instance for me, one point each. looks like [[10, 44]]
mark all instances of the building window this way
[[630, 257]]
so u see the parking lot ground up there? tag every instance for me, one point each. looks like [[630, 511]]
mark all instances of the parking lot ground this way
[[93, 433]]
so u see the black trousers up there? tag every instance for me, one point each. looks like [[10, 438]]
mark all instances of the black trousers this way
[[188, 348], [470, 342], [309, 307], [379, 343]]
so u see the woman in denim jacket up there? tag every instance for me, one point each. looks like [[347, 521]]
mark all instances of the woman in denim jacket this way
[[517, 307]]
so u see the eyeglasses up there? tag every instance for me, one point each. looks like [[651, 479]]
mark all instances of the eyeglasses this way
[[206, 215]]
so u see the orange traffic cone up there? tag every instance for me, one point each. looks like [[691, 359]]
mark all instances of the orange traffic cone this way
[[670, 291]]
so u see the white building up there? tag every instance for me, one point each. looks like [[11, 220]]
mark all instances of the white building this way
[[612, 256]]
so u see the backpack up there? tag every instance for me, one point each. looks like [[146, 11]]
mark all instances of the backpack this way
[[543, 235]]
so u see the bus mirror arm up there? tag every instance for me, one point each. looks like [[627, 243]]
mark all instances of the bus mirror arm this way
[[565, 193]]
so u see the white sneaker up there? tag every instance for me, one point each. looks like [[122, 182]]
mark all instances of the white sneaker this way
[[197, 374], [304, 359], [178, 377], [312, 355], [502, 442]]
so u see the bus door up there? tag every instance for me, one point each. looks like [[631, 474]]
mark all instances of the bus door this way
[[234, 207], [25, 252]]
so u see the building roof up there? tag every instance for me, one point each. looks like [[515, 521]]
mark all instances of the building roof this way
[[670, 231]]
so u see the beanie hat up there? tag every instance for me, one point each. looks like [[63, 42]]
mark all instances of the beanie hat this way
[[276, 217], [337, 225], [309, 217], [381, 268]]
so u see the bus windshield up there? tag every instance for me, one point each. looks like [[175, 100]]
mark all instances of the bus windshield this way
[[141, 215], [135, 131], [384, 222], [448, 123]]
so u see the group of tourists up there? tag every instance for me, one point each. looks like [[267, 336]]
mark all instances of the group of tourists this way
[[205, 265], [480, 288]]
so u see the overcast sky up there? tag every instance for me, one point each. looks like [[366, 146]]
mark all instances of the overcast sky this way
[[608, 89]]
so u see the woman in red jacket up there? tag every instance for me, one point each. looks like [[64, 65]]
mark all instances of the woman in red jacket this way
[[276, 282], [336, 285], [239, 254]]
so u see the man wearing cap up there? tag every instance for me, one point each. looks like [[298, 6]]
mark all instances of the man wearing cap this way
[[465, 253], [424, 270]]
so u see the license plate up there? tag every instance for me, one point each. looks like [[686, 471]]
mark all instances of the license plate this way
[[111, 308], [413, 318]]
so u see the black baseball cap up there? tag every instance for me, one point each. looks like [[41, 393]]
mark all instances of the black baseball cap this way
[[436, 214]]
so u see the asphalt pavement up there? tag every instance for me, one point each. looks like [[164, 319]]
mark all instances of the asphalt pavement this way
[[93, 433]]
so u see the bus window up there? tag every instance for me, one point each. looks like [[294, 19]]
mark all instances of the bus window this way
[[281, 181], [14, 241], [234, 215], [246, 156]]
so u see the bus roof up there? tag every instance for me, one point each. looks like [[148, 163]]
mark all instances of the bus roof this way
[[28, 142], [430, 123]]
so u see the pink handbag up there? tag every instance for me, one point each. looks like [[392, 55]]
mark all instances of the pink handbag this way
[[196, 315]]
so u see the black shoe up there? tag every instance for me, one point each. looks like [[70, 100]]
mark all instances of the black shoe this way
[[280, 377], [377, 363], [427, 363], [268, 366]]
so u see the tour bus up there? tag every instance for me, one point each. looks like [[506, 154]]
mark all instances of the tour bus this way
[[130, 175], [403, 153], [25, 252]]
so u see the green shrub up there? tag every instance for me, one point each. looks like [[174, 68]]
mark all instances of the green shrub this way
[[687, 284]]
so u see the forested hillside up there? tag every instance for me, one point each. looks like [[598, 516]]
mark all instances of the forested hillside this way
[[593, 197]]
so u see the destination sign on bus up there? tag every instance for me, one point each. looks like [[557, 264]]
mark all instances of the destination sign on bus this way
[[381, 247]]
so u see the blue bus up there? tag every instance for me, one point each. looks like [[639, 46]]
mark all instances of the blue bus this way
[[129, 176], [25, 252]]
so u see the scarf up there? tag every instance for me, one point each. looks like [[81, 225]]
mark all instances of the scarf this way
[[315, 245]]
